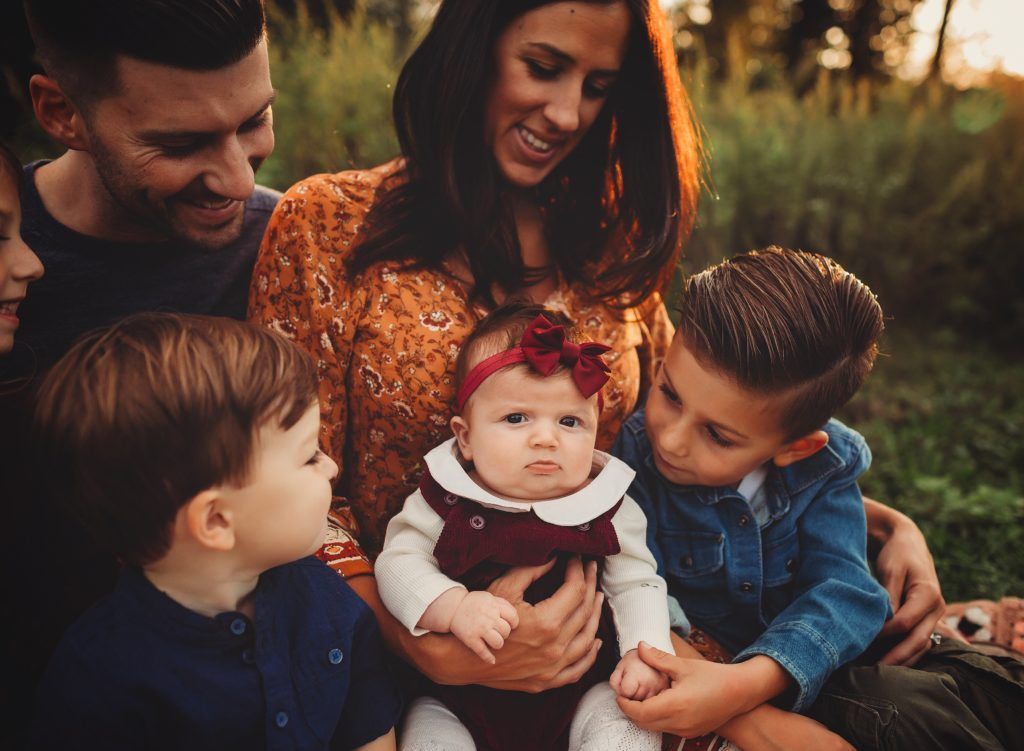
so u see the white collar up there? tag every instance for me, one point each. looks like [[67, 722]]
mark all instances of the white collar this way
[[753, 481], [601, 493]]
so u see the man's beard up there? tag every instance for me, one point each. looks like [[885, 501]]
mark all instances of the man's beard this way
[[157, 217]]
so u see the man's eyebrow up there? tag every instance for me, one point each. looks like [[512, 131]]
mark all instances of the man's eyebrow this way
[[567, 58], [156, 135]]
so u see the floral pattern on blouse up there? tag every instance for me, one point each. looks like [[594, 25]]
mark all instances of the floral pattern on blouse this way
[[385, 341]]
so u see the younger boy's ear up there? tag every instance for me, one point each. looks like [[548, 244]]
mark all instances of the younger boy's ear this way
[[461, 430], [801, 448], [207, 520]]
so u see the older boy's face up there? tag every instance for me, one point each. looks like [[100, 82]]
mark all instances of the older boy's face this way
[[704, 429], [177, 149], [280, 515]]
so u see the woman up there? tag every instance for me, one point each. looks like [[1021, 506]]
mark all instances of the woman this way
[[549, 153]]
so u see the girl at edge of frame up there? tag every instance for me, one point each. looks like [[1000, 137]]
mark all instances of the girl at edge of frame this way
[[548, 153]]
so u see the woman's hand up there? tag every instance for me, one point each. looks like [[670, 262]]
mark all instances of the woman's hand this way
[[769, 728], [906, 569]]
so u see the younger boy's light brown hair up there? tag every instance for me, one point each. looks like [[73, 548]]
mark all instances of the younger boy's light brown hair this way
[[136, 420], [787, 323]]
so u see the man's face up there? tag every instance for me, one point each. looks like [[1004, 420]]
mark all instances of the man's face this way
[[177, 149]]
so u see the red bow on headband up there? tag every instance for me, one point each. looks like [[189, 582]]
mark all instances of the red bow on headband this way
[[545, 347]]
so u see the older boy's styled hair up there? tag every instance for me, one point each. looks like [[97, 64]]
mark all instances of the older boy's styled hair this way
[[502, 329], [785, 322], [136, 420], [78, 42]]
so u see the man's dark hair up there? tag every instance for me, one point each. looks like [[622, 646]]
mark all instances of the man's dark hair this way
[[78, 42], [787, 323], [617, 208]]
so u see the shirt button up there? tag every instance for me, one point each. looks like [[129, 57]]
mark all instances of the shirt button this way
[[238, 626], [791, 565], [747, 587], [248, 656], [477, 522], [688, 561], [451, 499], [335, 656], [743, 520], [281, 719], [584, 527]]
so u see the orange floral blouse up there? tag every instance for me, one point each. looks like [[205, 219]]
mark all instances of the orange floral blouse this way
[[385, 341]]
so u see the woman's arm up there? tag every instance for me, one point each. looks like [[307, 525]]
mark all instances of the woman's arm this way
[[553, 645], [907, 571]]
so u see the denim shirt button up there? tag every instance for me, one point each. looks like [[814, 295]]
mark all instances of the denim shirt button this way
[[281, 719], [743, 520], [238, 626], [747, 587], [335, 656], [688, 561], [248, 656], [477, 522], [791, 565]]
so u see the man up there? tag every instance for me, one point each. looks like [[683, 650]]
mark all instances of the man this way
[[164, 107]]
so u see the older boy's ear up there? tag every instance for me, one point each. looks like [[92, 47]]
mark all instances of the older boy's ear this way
[[801, 448], [207, 520], [461, 430], [56, 113]]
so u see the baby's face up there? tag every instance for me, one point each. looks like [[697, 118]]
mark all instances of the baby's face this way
[[704, 428], [530, 438]]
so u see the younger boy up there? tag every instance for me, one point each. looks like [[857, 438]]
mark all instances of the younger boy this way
[[750, 490], [188, 446]]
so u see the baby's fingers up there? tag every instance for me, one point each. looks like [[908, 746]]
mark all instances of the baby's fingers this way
[[480, 649], [493, 639], [507, 613], [616, 680]]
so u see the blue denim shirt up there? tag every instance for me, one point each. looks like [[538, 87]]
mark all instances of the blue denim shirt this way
[[139, 670], [797, 590]]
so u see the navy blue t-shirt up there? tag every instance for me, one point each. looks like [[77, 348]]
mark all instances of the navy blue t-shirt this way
[[91, 283], [139, 670]]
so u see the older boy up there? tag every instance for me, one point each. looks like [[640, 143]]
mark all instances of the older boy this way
[[188, 447], [757, 522]]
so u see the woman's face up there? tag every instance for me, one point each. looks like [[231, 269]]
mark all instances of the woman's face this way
[[553, 69], [18, 264]]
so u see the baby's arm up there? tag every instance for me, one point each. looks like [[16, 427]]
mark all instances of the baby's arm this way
[[638, 599], [479, 619], [422, 598]]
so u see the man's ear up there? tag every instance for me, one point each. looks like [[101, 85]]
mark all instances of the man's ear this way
[[801, 448], [56, 113], [207, 519], [461, 430]]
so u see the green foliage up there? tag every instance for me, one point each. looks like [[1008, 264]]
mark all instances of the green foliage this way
[[918, 190], [333, 110], [944, 422]]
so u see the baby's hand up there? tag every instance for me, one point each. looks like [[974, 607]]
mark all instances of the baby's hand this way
[[635, 679], [483, 620]]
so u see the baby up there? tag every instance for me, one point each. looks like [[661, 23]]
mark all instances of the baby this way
[[520, 484]]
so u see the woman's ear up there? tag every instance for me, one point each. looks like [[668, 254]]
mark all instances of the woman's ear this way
[[56, 113], [801, 448], [461, 430], [207, 520]]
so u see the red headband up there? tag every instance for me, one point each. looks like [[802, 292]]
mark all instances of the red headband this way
[[545, 347]]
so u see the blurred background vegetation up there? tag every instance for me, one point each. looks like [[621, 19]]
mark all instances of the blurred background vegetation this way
[[843, 126]]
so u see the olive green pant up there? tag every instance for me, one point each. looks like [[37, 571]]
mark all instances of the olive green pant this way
[[956, 697]]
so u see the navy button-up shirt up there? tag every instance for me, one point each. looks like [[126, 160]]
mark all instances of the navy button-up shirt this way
[[797, 589], [140, 670]]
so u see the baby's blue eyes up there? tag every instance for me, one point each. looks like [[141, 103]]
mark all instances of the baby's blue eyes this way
[[569, 422], [515, 418]]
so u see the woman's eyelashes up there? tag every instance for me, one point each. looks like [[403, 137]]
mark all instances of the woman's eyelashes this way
[[545, 72]]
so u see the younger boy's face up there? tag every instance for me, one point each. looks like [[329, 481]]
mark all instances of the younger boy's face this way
[[704, 429], [529, 437], [280, 515]]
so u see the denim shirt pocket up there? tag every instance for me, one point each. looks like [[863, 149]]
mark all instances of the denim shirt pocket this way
[[781, 562], [695, 565]]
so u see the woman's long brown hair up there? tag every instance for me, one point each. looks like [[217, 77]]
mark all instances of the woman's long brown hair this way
[[634, 176]]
